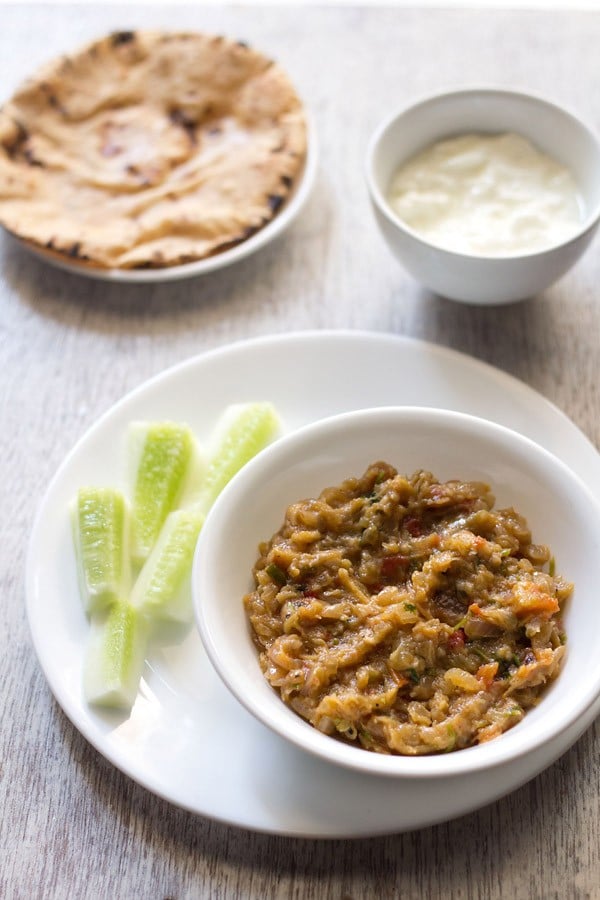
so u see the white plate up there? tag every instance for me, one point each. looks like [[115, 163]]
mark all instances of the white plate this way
[[187, 739], [284, 218]]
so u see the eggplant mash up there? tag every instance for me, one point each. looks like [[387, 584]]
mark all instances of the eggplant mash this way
[[405, 615]]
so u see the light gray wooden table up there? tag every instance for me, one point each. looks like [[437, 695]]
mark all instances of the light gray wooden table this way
[[71, 825]]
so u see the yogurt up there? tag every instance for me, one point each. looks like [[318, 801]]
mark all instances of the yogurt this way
[[487, 194]]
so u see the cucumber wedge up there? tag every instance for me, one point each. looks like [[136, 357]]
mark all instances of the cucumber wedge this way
[[252, 427], [162, 589], [164, 457], [100, 523], [115, 657]]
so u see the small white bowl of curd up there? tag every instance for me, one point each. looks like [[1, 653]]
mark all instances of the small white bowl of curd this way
[[486, 196]]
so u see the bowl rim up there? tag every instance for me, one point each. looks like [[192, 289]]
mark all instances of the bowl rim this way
[[476, 758], [382, 205]]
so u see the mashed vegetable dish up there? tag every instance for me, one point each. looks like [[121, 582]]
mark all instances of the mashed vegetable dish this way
[[406, 615]]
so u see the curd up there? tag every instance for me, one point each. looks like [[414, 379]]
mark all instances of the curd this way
[[491, 195]]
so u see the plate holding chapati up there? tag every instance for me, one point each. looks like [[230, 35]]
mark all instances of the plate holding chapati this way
[[153, 154]]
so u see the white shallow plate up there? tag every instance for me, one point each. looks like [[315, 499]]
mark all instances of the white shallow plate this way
[[187, 739], [278, 224]]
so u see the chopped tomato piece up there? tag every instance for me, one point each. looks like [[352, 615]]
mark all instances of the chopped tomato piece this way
[[391, 565], [487, 673], [414, 526], [399, 679], [541, 604], [456, 640]]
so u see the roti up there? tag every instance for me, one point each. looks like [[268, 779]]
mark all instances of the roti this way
[[149, 149]]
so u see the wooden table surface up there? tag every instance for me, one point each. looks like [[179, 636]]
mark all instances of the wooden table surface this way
[[72, 825]]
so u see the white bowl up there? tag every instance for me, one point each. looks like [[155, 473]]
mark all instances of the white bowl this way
[[557, 505], [468, 277]]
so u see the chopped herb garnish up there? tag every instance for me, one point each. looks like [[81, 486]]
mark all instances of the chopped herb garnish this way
[[365, 736], [504, 666], [276, 574], [552, 567], [413, 675], [410, 607], [480, 653], [504, 553], [452, 737], [562, 638]]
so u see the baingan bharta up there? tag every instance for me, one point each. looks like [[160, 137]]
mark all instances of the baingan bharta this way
[[406, 615]]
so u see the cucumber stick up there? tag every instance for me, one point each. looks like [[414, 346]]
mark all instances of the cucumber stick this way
[[251, 429], [162, 589], [114, 659], [100, 523], [164, 457], [166, 468]]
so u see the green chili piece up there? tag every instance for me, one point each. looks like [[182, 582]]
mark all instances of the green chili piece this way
[[276, 574]]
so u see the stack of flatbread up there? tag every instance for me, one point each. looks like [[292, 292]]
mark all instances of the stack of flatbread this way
[[149, 149]]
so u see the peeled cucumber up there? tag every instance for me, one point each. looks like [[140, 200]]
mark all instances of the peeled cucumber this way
[[99, 518], [252, 428], [114, 659], [159, 536], [164, 457], [162, 590]]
